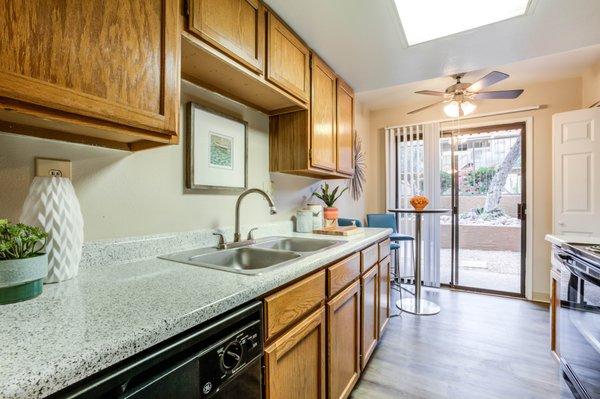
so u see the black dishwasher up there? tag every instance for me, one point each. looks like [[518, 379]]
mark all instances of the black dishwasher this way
[[219, 360]]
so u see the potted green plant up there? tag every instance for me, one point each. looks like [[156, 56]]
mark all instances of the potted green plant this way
[[23, 265], [330, 213]]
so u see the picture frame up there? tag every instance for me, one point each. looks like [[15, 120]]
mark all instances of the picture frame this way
[[216, 151]]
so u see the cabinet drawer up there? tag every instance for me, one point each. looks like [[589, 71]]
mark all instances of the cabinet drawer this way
[[289, 305], [384, 249], [368, 257], [342, 273]]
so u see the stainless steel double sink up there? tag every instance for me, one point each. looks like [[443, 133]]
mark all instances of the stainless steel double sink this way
[[264, 255]]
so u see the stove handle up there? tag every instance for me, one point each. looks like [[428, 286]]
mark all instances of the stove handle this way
[[581, 273]]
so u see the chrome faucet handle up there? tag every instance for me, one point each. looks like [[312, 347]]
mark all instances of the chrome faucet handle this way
[[251, 233], [222, 242]]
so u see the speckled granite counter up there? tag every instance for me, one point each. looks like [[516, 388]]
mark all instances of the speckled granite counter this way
[[558, 239], [111, 312]]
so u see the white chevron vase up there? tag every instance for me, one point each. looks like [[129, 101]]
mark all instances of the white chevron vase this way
[[52, 205]]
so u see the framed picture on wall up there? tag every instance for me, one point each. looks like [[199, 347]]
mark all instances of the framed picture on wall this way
[[216, 151]]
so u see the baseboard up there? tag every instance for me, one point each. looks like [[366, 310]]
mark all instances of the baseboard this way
[[541, 297]]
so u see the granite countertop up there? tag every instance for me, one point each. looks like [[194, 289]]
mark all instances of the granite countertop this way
[[107, 314], [559, 239]]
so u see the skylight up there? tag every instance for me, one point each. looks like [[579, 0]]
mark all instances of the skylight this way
[[425, 20]]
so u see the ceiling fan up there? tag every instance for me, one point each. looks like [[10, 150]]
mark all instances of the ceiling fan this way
[[459, 97]]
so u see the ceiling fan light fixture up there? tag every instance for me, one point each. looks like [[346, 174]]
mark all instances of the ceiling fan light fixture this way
[[452, 109], [458, 98], [468, 107]]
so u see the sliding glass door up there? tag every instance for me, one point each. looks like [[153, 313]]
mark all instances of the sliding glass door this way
[[483, 182]]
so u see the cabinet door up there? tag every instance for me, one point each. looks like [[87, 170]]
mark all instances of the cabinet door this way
[[345, 128], [236, 27], [384, 293], [288, 59], [323, 121], [343, 342], [369, 314], [295, 362], [113, 60], [554, 309]]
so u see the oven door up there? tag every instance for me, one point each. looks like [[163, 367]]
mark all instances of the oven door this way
[[579, 325]]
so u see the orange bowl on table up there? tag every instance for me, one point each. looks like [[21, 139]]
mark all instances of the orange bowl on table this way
[[419, 202]]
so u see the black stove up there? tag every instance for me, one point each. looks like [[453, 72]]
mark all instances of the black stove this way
[[579, 317], [587, 252]]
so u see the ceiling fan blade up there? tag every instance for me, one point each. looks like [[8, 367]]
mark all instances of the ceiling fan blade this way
[[431, 93], [423, 108], [488, 80], [501, 94]]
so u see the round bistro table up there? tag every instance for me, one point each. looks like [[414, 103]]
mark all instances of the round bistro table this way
[[416, 305]]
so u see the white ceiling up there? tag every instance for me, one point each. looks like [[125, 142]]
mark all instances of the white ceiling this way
[[363, 40], [534, 70]]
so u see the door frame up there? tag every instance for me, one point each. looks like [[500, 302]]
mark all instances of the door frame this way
[[527, 237]]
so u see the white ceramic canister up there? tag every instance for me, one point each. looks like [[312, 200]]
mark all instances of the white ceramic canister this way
[[304, 221], [317, 215]]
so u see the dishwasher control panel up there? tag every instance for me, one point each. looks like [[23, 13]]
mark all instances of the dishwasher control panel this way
[[229, 357]]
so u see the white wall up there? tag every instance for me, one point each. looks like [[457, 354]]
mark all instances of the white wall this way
[[591, 85], [124, 194]]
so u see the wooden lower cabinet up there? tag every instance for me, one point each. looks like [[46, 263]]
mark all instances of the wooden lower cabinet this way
[[369, 313], [318, 354], [343, 342], [295, 362], [384, 293]]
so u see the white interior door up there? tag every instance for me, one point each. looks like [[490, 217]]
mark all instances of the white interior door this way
[[576, 176]]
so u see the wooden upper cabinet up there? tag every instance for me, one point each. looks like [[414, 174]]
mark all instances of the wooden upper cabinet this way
[[343, 348], [110, 64], [288, 59], [295, 362], [235, 27], [345, 128], [323, 116]]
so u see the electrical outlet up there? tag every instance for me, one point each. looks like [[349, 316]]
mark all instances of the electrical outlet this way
[[52, 167]]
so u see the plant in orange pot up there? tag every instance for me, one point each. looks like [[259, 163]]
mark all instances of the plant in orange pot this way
[[330, 213]]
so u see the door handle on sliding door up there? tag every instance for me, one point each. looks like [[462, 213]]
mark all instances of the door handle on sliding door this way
[[521, 211]]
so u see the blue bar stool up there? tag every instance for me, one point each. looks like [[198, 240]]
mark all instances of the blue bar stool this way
[[388, 220]]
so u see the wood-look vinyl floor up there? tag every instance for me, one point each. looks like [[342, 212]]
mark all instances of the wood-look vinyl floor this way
[[478, 347]]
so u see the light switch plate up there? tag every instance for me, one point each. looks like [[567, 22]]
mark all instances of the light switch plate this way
[[52, 167]]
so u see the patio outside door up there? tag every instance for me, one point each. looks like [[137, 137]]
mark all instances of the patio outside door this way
[[483, 182]]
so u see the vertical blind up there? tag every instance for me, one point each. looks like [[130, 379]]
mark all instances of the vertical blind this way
[[413, 168]]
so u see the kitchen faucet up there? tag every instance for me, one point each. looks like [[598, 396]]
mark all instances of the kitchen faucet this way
[[237, 237]]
